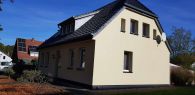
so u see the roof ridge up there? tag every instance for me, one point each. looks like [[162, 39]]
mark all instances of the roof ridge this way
[[97, 21]]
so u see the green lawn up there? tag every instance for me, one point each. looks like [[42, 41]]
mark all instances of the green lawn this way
[[171, 91]]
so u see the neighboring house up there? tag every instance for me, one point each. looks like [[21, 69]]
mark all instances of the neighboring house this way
[[116, 46], [25, 50], [193, 65], [4, 57], [173, 66]]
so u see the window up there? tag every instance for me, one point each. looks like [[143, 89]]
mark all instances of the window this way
[[32, 48], [4, 57], [47, 59], [123, 23], [128, 62], [146, 30], [82, 58], [71, 53], [68, 28], [42, 59], [134, 27], [21, 45], [154, 34]]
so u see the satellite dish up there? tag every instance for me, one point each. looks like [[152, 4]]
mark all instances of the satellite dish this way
[[158, 39], [164, 37]]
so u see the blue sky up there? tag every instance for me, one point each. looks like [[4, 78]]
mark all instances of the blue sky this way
[[39, 18]]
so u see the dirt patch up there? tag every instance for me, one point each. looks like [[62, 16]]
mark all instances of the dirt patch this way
[[11, 87], [30, 89]]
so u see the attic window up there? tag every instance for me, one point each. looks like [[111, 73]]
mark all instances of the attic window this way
[[154, 34], [123, 23], [146, 30], [134, 27]]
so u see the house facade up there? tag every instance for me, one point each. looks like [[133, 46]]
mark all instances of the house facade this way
[[4, 57], [25, 50], [117, 46]]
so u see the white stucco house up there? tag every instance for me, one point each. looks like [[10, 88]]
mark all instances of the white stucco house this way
[[119, 45], [4, 57]]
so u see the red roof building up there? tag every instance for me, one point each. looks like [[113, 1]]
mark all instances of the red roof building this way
[[25, 50]]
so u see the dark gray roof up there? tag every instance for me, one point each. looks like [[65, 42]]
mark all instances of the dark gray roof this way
[[92, 26]]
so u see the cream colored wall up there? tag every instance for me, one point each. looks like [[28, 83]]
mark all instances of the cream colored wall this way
[[82, 76], [150, 60]]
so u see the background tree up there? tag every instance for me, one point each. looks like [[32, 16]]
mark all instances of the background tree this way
[[7, 49], [1, 29], [183, 46], [1, 2]]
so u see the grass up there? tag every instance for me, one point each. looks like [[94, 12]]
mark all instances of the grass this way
[[171, 91]]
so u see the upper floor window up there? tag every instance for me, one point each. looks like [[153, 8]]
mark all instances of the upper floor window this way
[[128, 62], [21, 45], [154, 34], [82, 58], [123, 24], [33, 48], [3, 57], [134, 27], [146, 30]]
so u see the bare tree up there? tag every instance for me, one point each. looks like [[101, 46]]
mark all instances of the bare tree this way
[[181, 41], [1, 29], [1, 2]]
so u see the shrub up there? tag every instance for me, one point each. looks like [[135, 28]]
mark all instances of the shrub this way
[[9, 72], [32, 76], [184, 60], [181, 77]]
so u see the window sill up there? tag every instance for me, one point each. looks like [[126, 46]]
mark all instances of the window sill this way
[[70, 68], [134, 34], [123, 31], [127, 71], [45, 66], [81, 69], [145, 37]]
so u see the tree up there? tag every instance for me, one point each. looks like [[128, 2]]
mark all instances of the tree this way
[[7, 49], [183, 46], [181, 41], [1, 29], [1, 2]]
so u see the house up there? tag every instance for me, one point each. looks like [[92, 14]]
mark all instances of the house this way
[[173, 66], [4, 57], [119, 45], [25, 50], [193, 65]]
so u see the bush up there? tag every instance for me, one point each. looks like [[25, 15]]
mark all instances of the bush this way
[[9, 72], [32, 76], [184, 60], [181, 77]]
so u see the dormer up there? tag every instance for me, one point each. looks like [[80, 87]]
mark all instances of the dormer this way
[[72, 24], [67, 26]]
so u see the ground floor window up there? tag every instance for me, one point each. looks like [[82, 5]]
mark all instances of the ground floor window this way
[[128, 62], [71, 54], [82, 58]]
